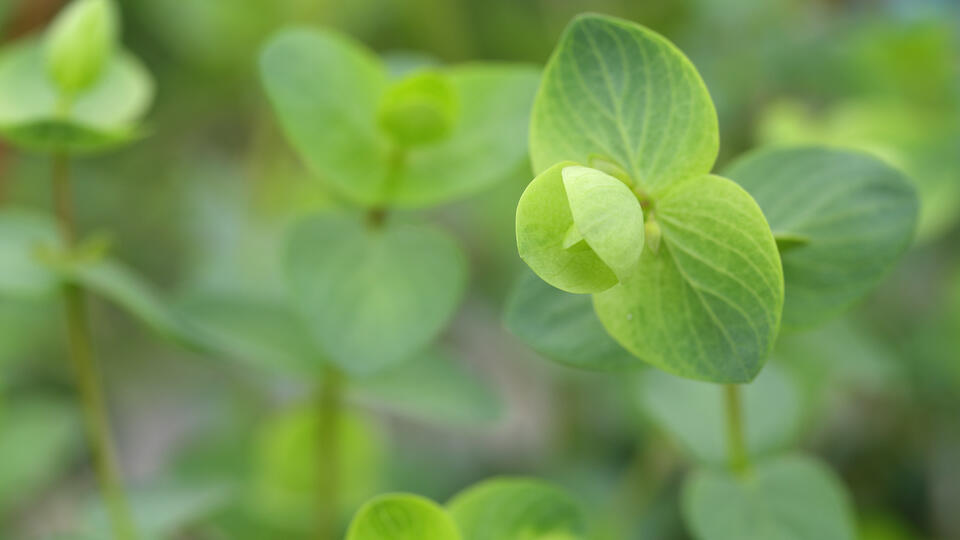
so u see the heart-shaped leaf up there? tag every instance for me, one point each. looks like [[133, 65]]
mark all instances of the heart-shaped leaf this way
[[517, 509], [402, 517], [373, 296], [692, 412], [791, 498], [855, 214], [619, 92], [24, 236], [706, 305], [544, 224], [102, 116], [563, 327]]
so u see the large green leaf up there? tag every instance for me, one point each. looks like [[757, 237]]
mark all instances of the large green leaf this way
[[456, 397], [563, 327], [402, 517], [373, 296], [707, 303], [517, 509], [100, 117], [618, 92], [791, 498], [851, 215], [325, 89], [692, 412], [24, 236]]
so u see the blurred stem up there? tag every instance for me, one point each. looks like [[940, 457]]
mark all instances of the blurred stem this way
[[85, 368], [330, 403], [736, 441]]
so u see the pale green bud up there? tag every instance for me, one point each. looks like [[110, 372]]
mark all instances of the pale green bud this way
[[80, 43], [419, 109]]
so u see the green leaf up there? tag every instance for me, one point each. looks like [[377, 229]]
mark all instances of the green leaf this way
[[120, 285], [261, 331], [856, 213], [517, 509], [707, 304], [619, 92], [24, 235], [402, 517], [420, 108], [456, 397], [373, 296], [563, 327], [486, 146], [160, 512], [692, 412], [607, 215], [285, 469], [80, 44], [38, 439], [103, 116], [791, 498], [325, 88], [544, 222]]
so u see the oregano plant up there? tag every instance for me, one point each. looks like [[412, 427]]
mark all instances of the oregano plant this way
[[692, 272]]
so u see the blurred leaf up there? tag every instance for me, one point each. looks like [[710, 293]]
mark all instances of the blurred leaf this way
[[102, 116], [707, 304], [262, 331], [790, 498], [285, 466], [120, 285], [857, 213], [455, 397], [517, 509], [419, 108], [617, 90], [160, 513], [563, 327], [402, 517], [373, 296], [23, 235], [692, 412], [39, 436], [79, 44]]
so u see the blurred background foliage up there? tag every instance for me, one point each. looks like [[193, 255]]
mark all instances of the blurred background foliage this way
[[222, 447]]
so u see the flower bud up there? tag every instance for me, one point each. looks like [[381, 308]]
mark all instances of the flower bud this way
[[80, 43]]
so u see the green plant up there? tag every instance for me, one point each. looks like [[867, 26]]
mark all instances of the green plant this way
[[75, 91], [693, 272]]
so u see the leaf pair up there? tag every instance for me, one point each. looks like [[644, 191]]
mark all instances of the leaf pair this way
[[500, 509], [426, 139], [703, 299]]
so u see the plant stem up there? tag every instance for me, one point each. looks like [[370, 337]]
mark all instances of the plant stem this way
[[330, 403], [85, 369], [736, 442]]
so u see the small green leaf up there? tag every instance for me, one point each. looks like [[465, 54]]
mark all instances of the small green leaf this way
[[707, 304], [620, 91], [692, 412], [325, 88], [402, 517], [856, 213], [103, 116], [517, 509], [563, 327], [80, 44], [608, 216], [24, 235], [544, 220], [420, 108], [456, 397], [372, 297], [790, 498]]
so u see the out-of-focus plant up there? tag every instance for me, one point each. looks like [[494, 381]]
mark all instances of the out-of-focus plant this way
[[691, 272], [76, 91], [497, 509]]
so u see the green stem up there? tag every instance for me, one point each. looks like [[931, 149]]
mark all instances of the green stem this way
[[736, 441], [330, 403], [85, 369]]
